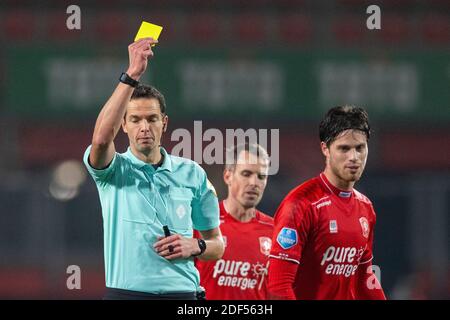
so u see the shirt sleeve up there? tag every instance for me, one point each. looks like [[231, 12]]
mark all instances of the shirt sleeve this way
[[205, 206], [281, 278], [368, 286], [367, 255], [101, 176], [291, 228]]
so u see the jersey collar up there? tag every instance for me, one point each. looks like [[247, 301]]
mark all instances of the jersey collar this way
[[166, 165], [342, 194], [228, 216]]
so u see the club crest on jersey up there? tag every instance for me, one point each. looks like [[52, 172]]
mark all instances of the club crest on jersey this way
[[364, 226], [287, 238], [265, 244], [333, 226]]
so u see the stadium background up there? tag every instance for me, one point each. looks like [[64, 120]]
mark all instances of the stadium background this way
[[232, 64]]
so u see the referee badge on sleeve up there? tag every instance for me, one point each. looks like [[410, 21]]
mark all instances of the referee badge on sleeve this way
[[211, 187]]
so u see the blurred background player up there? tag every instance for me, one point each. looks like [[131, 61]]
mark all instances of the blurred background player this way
[[324, 228], [247, 232], [144, 190]]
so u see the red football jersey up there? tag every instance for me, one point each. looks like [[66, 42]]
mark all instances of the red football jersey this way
[[242, 272], [329, 234]]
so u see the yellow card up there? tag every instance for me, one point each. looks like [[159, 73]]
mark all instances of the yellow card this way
[[148, 30]]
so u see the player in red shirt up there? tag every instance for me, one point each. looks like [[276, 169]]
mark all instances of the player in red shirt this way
[[247, 232], [323, 231]]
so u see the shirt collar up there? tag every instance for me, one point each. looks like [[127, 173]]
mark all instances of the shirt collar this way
[[166, 165], [340, 193]]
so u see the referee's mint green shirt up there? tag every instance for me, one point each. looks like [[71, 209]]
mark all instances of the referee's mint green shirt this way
[[137, 201]]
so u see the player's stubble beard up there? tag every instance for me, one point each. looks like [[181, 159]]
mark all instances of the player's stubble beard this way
[[340, 171], [248, 204]]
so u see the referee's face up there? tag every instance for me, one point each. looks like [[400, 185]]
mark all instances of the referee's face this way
[[347, 155], [246, 183], [144, 124]]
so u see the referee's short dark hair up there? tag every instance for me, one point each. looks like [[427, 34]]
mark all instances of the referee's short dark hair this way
[[341, 118], [148, 92]]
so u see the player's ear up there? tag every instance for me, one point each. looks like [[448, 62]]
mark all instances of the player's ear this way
[[124, 120], [227, 173], [165, 123], [325, 150]]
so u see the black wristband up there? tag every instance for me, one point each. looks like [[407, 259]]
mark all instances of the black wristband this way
[[202, 246], [125, 78]]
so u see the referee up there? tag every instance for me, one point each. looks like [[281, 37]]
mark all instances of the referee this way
[[151, 200]]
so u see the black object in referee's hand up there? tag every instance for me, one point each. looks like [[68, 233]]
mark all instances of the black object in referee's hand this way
[[167, 234]]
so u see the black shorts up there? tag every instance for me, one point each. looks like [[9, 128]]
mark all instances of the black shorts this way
[[120, 294]]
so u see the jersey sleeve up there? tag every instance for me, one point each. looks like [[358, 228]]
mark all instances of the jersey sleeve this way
[[196, 234], [367, 255], [281, 278], [101, 176], [205, 206], [291, 228], [368, 286]]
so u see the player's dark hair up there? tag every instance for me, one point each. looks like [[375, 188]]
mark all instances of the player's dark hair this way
[[232, 154], [341, 118], [148, 92]]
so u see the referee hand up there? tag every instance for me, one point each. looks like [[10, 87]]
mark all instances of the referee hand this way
[[182, 247], [139, 52]]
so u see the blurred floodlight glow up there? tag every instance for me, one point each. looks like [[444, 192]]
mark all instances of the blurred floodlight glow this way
[[66, 179], [69, 174], [62, 194]]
